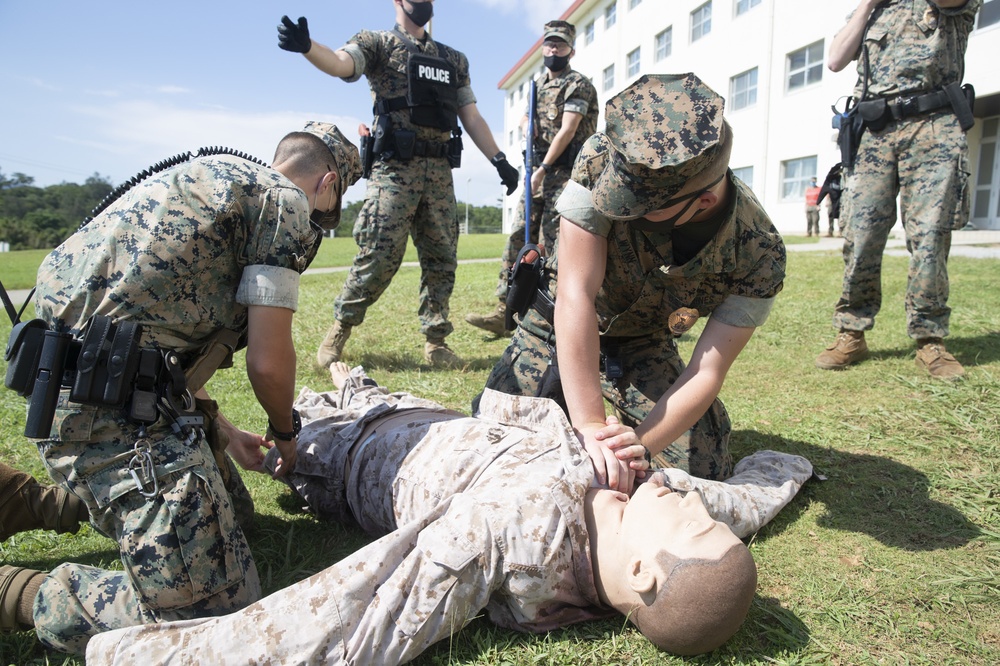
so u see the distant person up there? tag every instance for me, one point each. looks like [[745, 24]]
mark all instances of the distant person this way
[[205, 257], [495, 514], [812, 208], [421, 89], [832, 188], [656, 233], [911, 62], [566, 113]]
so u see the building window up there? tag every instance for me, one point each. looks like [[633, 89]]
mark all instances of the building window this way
[[743, 89], [632, 4], [743, 6], [795, 177], [805, 66], [588, 33], [663, 44], [609, 78], [610, 15], [701, 21], [989, 14], [520, 91], [510, 138], [632, 61], [745, 174]]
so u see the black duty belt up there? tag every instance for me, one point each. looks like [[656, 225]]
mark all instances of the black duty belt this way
[[906, 106], [430, 149]]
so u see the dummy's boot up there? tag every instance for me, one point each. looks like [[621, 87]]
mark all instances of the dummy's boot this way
[[492, 322], [848, 348], [27, 505], [18, 589], [332, 346], [935, 359], [439, 354]]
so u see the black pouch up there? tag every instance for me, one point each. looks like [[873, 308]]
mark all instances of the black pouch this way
[[107, 362], [23, 351], [404, 140], [367, 155], [522, 282], [875, 113], [47, 384], [455, 150]]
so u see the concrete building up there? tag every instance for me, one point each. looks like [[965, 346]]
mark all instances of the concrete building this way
[[767, 58]]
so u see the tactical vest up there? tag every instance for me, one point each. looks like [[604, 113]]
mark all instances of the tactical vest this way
[[432, 95]]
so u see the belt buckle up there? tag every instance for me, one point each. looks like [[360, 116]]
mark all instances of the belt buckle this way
[[907, 106]]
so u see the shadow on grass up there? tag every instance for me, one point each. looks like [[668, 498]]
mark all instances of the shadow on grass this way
[[970, 350], [877, 496]]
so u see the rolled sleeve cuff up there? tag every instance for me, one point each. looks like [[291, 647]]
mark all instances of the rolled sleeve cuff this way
[[743, 312], [272, 286], [466, 96], [576, 106], [576, 204], [360, 62]]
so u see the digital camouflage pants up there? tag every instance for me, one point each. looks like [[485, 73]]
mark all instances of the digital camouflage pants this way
[[650, 366], [414, 199], [923, 160], [183, 552]]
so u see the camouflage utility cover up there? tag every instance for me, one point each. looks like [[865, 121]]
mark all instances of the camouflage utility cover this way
[[563, 30], [666, 133]]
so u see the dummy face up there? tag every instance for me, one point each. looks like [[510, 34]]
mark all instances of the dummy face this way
[[656, 519]]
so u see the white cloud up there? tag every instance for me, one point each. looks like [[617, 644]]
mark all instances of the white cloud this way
[[535, 13]]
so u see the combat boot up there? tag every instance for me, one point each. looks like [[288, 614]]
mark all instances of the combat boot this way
[[493, 322], [332, 346], [935, 359], [18, 589], [848, 348], [439, 354], [27, 505]]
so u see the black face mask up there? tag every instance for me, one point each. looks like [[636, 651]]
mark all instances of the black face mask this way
[[422, 12], [556, 63]]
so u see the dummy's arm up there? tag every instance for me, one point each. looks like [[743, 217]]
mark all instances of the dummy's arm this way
[[761, 485]]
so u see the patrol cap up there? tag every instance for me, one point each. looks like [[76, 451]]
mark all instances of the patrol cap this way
[[346, 160], [667, 134], [563, 30]]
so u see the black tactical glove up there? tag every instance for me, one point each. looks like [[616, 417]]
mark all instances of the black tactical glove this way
[[292, 37], [508, 174]]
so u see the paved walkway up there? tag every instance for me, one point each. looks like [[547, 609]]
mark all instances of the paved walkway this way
[[979, 244]]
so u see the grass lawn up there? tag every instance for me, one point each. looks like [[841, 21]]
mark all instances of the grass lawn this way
[[893, 559]]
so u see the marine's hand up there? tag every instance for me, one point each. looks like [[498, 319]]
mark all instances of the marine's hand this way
[[289, 454], [608, 469], [247, 449], [294, 37], [508, 174], [625, 444]]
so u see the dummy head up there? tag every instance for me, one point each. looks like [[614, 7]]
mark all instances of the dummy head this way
[[685, 580]]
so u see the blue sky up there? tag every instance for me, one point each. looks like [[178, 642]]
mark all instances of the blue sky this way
[[112, 87]]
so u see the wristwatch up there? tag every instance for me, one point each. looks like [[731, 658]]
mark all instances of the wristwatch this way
[[286, 436], [498, 158], [543, 166]]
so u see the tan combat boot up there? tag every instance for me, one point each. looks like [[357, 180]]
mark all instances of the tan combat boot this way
[[493, 322], [332, 346], [935, 359], [27, 505], [18, 589], [848, 348], [440, 355]]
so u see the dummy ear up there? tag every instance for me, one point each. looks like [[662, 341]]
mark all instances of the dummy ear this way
[[640, 578], [707, 199]]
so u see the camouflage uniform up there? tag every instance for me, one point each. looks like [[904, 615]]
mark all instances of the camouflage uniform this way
[[415, 198], [914, 47], [572, 91], [183, 253], [482, 512], [647, 300]]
